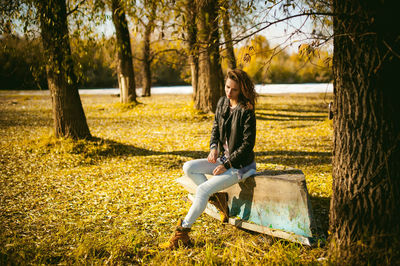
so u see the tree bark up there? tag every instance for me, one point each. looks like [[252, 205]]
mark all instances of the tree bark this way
[[126, 76], [210, 82], [365, 209], [69, 117], [148, 28], [191, 29], [146, 85], [226, 29]]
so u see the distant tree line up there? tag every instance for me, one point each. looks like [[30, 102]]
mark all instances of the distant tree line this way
[[23, 66], [364, 220]]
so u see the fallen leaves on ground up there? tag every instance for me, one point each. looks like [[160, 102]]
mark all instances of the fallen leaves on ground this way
[[113, 199]]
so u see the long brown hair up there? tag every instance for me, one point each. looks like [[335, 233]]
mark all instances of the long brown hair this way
[[248, 94]]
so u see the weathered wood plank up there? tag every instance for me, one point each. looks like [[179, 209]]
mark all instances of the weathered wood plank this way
[[210, 210], [272, 202]]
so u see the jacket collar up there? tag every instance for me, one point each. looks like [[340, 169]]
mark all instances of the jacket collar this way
[[225, 108]]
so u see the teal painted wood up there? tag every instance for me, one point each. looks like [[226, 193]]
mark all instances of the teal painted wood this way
[[274, 200]]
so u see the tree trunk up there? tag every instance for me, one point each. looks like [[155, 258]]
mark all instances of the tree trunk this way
[[126, 76], [210, 82], [226, 28], [365, 209], [148, 28], [68, 114], [146, 63], [191, 29]]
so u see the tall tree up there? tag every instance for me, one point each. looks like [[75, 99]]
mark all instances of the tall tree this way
[[150, 7], [68, 114], [364, 217], [210, 82], [226, 29], [126, 76], [191, 30]]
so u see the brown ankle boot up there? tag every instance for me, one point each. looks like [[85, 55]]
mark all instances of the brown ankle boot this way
[[179, 237], [220, 201]]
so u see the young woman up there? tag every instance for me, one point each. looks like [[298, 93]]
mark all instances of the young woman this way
[[231, 157]]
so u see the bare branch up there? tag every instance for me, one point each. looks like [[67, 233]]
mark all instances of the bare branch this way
[[269, 24], [390, 49], [75, 8], [153, 56]]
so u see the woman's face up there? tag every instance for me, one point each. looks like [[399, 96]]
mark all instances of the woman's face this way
[[232, 89]]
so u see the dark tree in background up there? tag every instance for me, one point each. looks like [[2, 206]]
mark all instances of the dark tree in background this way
[[226, 29], [69, 117], [150, 7], [210, 80], [126, 76], [191, 31], [365, 206]]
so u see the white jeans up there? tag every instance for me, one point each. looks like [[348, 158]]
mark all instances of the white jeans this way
[[196, 171]]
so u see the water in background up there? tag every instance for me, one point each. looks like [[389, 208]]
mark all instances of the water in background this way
[[262, 89]]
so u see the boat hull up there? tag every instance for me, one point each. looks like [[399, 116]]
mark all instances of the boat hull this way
[[271, 202]]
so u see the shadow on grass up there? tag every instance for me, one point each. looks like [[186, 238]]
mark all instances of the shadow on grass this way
[[294, 108], [320, 206], [115, 148], [285, 117], [292, 158], [14, 118], [298, 110]]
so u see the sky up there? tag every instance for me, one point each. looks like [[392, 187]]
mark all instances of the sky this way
[[277, 34], [289, 33]]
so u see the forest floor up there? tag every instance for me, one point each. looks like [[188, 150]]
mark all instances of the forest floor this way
[[114, 200]]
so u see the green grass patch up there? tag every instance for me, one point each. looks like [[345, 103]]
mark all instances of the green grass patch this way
[[113, 199]]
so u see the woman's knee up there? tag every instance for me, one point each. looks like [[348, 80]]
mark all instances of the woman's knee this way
[[193, 166], [203, 191], [186, 167]]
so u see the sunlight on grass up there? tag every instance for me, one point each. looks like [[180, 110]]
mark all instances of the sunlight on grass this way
[[113, 199]]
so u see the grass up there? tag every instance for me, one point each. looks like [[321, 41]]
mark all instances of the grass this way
[[113, 199]]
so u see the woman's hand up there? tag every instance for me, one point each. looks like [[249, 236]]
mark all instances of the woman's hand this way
[[212, 157], [220, 169]]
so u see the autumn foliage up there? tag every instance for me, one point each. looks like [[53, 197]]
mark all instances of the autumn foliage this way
[[113, 199], [96, 63]]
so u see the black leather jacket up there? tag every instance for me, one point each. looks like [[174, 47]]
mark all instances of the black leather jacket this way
[[240, 130]]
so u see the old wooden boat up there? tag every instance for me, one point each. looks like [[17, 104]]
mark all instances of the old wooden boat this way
[[273, 202]]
